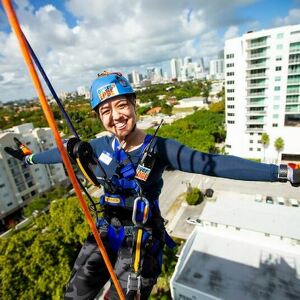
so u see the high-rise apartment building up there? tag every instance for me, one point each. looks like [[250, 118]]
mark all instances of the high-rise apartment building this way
[[262, 85], [19, 183], [216, 69], [176, 64]]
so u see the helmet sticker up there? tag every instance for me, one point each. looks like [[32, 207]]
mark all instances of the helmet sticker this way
[[107, 91]]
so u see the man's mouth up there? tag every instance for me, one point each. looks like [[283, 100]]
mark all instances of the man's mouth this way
[[120, 126]]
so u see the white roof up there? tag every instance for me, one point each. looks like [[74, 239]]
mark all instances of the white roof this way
[[242, 211], [226, 265]]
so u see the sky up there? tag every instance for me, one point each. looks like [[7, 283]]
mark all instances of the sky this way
[[75, 39]]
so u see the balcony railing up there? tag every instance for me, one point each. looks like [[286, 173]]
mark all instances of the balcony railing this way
[[292, 108], [258, 55], [255, 129], [293, 91], [295, 71], [294, 50], [255, 104], [293, 101], [293, 82], [256, 66], [257, 45], [256, 112], [256, 75], [294, 61], [256, 85], [261, 94]]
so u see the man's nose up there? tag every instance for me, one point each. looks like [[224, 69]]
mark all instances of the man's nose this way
[[115, 113]]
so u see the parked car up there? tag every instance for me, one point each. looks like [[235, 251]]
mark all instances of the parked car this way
[[258, 198], [269, 200], [280, 200], [294, 202], [193, 221]]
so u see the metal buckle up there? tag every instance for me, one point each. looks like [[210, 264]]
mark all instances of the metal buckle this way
[[145, 213]]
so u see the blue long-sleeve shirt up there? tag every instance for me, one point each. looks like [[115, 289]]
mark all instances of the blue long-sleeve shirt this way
[[170, 153]]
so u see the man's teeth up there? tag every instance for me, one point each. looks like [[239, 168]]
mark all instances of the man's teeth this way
[[120, 125]]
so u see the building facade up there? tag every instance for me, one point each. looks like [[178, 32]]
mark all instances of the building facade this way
[[228, 256], [262, 87], [19, 183]]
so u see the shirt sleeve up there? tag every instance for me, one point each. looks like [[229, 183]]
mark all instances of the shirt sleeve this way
[[180, 157], [51, 156]]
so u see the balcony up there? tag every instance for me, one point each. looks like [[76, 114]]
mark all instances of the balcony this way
[[292, 108], [259, 44], [294, 71], [256, 66], [261, 85], [255, 129], [293, 82], [262, 54], [295, 91], [294, 61], [256, 112], [293, 101], [256, 103], [256, 75], [294, 50], [257, 94]]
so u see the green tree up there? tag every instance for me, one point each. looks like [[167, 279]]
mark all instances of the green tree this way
[[205, 88], [265, 140], [279, 145], [36, 263]]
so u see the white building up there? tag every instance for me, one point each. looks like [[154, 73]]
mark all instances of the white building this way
[[176, 64], [262, 73], [18, 183], [242, 250], [216, 69], [136, 78]]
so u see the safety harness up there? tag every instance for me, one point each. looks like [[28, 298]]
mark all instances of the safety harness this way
[[127, 212]]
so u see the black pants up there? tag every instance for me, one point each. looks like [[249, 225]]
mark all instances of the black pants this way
[[89, 273]]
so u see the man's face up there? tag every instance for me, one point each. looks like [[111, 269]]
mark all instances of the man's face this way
[[118, 116]]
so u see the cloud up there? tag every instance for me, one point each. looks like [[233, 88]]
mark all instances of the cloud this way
[[122, 34], [291, 19], [231, 32]]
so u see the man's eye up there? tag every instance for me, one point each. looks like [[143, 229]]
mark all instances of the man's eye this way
[[105, 112]]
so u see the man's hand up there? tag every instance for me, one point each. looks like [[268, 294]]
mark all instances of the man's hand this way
[[20, 153]]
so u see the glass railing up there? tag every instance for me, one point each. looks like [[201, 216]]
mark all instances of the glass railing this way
[[256, 75], [256, 85], [292, 108], [256, 94], [293, 101], [294, 61], [294, 71], [293, 91], [293, 81], [257, 44], [256, 55], [256, 112], [294, 50], [256, 66]]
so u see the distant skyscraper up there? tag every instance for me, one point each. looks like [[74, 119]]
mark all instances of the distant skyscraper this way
[[175, 65], [187, 60], [150, 73], [130, 78], [136, 78], [216, 69]]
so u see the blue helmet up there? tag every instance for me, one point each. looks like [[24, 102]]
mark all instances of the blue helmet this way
[[107, 86]]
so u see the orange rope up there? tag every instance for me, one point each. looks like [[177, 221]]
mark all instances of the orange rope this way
[[14, 23]]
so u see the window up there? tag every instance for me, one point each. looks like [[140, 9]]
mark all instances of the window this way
[[279, 47], [230, 73], [230, 90], [228, 146], [275, 107], [278, 69], [28, 143], [251, 133], [230, 106], [2, 185], [277, 88], [275, 116], [258, 149], [276, 98], [275, 125], [231, 55], [277, 78], [230, 98], [278, 58], [279, 35], [251, 141], [251, 149], [230, 65], [9, 204], [230, 122], [230, 114], [230, 82]]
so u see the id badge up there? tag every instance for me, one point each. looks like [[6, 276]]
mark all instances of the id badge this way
[[142, 172]]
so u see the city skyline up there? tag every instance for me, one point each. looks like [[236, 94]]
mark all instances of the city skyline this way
[[75, 40]]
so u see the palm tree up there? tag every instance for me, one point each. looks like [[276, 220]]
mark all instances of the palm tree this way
[[205, 89], [265, 140], [279, 145]]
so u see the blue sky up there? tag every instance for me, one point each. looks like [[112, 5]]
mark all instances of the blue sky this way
[[76, 39]]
